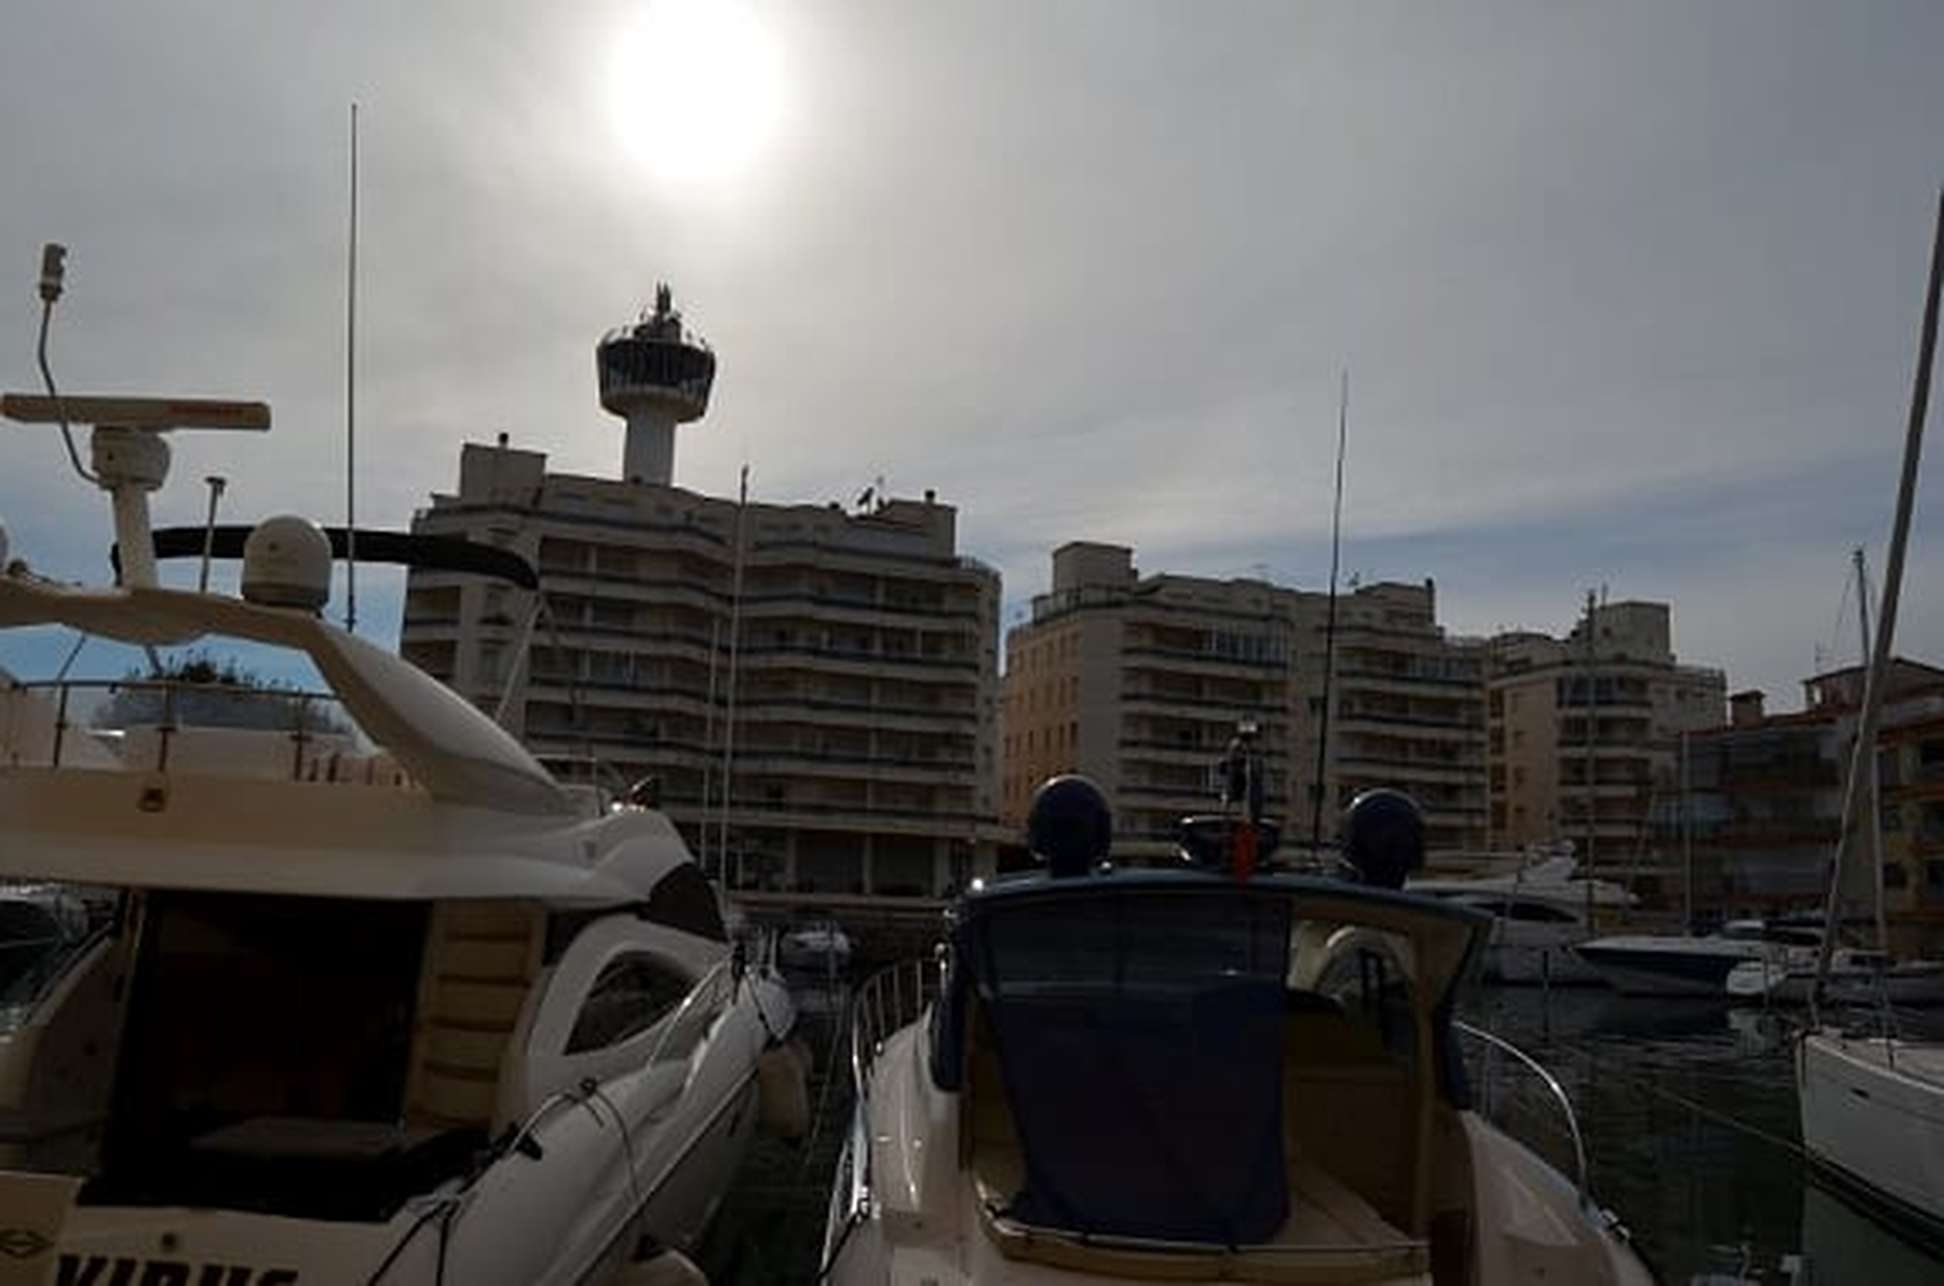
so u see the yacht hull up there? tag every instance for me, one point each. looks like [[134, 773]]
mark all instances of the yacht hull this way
[[575, 1206], [1873, 1112], [1645, 970], [1539, 964]]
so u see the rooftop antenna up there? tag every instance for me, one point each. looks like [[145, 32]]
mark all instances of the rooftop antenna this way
[[1329, 629], [216, 483], [351, 397]]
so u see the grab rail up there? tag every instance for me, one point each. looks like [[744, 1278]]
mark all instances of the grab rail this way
[[887, 1002], [1495, 1044]]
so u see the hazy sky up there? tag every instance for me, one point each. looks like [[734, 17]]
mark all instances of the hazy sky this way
[[1628, 293]]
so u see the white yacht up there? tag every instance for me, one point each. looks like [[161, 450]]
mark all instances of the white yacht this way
[[385, 1006], [1873, 1110], [1192, 1075], [816, 946], [1539, 913]]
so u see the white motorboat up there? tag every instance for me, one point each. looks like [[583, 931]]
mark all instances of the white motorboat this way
[[1856, 977], [1539, 913], [405, 1012], [816, 946], [1696, 966], [1184, 1075]]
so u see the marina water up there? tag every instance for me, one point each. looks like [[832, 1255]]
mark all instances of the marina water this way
[[1689, 1113]]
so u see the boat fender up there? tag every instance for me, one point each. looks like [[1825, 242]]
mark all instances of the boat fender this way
[[783, 1093], [664, 1268]]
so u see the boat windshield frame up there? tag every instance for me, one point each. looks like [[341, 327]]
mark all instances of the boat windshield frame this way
[[1449, 939]]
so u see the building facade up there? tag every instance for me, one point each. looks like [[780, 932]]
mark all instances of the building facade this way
[[1141, 681], [1408, 710], [811, 690], [1583, 735], [1764, 800]]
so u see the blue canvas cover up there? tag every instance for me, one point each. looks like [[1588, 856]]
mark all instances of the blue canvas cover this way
[[1139, 1033]]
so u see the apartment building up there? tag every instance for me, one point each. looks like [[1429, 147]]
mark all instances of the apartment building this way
[[1141, 681], [1583, 733], [1408, 710], [846, 664], [1764, 797]]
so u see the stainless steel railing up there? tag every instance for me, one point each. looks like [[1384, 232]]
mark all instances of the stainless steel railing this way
[[883, 1004], [1490, 1097], [74, 706]]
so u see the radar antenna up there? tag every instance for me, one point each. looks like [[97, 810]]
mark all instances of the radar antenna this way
[[127, 450]]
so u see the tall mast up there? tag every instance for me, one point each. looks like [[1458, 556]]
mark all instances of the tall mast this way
[[1864, 750], [351, 397], [1329, 628], [1876, 788], [1687, 836], [729, 713], [1592, 791], [708, 740]]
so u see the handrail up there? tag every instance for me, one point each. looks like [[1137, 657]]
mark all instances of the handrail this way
[[888, 1001], [1557, 1090]]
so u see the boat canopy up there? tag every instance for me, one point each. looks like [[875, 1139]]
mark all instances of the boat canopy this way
[[1139, 1021]]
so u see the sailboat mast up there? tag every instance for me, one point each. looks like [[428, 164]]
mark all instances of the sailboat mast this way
[[708, 742], [1329, 627], [729, 712], [1864, 750], [1876, 786], [1687, 837], [1592, 790], [351, 395]]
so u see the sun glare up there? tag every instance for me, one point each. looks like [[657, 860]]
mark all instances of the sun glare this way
[[697, 88]]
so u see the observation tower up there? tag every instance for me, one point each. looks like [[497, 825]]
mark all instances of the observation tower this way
[[654, 374]]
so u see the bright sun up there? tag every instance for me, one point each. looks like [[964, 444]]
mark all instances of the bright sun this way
[[697, 88]]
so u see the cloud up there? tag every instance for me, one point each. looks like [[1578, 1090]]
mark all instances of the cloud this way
[[1604, 279]]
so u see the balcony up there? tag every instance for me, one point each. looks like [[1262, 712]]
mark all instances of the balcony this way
[[1210, 710], [1351, 675], [1190, 656]]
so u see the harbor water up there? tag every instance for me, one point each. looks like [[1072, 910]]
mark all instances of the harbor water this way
[[1689, 1115], [1688, 1111]]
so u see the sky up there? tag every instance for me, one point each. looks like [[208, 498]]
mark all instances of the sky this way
[[1628, 294]]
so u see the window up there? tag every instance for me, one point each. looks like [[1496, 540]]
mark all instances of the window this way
[[1537, 912], [632, 994]]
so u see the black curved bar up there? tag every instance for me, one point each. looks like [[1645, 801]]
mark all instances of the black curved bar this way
[[402, 548]]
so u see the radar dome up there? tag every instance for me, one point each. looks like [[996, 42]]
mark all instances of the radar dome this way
[[1069, 826], [287, 563], [1383, 836]]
